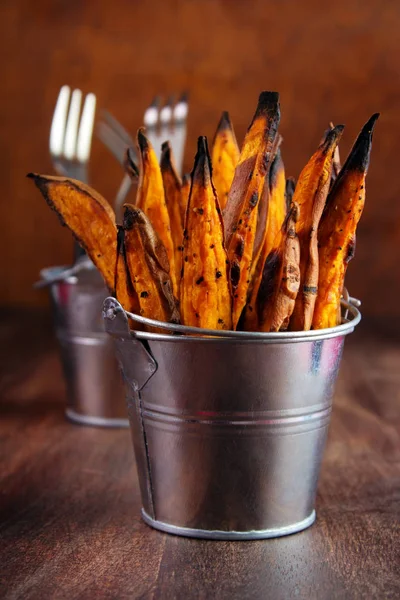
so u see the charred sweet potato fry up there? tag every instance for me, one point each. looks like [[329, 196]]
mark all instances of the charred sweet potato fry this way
[[205, 293], [151, 199], [272, 183], [274, 186], [280, 280], [89, 217], [124, 291], [241, 211], [173, 191], [185, 191], [148, 267], [225, 156], [336, 235], [310, 194]]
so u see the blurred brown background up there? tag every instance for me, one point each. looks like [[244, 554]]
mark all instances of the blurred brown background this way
[[336, 61]]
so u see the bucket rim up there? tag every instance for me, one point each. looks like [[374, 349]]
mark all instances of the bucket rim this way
[[349, 305]]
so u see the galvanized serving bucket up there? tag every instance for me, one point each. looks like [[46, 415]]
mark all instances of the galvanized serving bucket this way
[[95, 392], [228, 427]]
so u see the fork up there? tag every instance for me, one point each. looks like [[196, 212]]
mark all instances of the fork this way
[[167, 123], [71, 137]]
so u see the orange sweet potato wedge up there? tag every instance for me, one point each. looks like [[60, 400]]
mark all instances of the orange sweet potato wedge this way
[[275, 186], [310, 194], [205, 294], [337, 229], [124, 291], [224, 158], [148, 266], [173, 192], [241, 211], [280, 279], [89, 217], [151, 200]]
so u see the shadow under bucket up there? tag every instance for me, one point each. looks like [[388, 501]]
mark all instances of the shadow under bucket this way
[[95, 392], [228, 428]]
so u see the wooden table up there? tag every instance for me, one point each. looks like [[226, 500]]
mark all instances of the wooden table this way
[[70, 525]]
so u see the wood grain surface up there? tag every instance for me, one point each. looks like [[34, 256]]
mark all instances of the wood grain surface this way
[[69, 502], [335, 63]]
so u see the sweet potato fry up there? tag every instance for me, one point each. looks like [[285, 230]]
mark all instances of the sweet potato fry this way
[[124, 291], [89, 217], [173, 191], [225, 156], [241, 210], [148, 267], [310, 194], [336, 234], [274, 186], [280, 280], [205, 293], [151, 199], [185, 191]]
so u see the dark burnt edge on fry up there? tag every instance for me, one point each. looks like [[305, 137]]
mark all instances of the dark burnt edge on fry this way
[[224, 124], [268, 105], [276, 165], [358, 158], [289, 191], [129, 164], [121, 251], [142, 141], [331, 138], [202, 168]]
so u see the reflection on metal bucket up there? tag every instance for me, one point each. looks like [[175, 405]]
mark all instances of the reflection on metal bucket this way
[[228, 428], [95, 393]]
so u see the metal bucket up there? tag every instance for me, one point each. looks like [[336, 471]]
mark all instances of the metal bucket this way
[[95, 391], [228, 428]]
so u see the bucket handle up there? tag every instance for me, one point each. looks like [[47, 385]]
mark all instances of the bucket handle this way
[[136, 362]]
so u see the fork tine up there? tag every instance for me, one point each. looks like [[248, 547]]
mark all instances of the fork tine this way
[[150, 121], [180, 116], [118, 128], [59, 121], [85, 133], [71, 132], [166, 132]]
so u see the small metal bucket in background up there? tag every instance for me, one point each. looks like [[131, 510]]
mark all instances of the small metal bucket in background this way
[[228, 428], [95, 391]]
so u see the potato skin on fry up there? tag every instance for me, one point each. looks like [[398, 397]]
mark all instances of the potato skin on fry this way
[[241, 211], [279, 288], [151, 199], [225, 156], [337, 230], [205, 294], [310, 194], [89, 217], [148, 267], [173, 191]]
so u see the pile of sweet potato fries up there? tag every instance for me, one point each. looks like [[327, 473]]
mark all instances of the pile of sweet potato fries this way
[[235, 245]]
